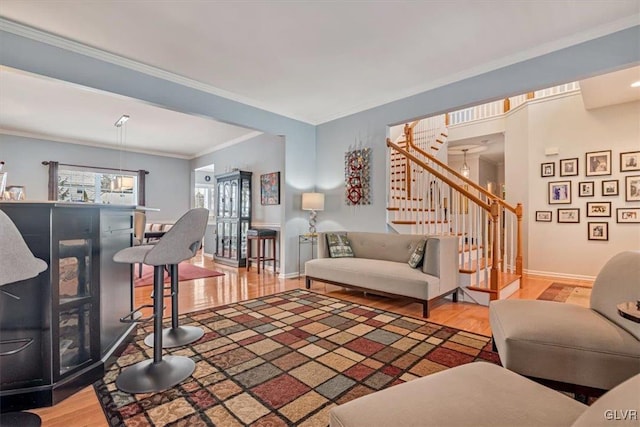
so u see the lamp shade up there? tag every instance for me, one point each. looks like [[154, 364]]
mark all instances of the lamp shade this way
[[312, 201]]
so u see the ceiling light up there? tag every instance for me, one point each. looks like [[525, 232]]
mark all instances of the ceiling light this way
[[465, 167], [635, 84], [122, 120]]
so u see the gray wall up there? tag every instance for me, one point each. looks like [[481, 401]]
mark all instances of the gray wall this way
[[41, 58], [167, 183], [260, 155], [308, 148]]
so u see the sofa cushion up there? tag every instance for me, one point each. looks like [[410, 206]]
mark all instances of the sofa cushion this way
[[339, 245], [476, 394], [385, 276], [383, 246], [563, 342], [618, 407], [417, 255]]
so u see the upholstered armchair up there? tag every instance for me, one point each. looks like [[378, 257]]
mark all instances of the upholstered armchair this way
[[594, 347]]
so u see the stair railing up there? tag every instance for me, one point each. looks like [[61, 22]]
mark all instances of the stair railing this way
[[512, 224]]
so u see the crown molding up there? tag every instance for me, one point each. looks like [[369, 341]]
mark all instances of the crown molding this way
[[92, 52], [229, 143], [45, 137]]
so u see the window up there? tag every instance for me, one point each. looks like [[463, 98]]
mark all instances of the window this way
[[95, 186]]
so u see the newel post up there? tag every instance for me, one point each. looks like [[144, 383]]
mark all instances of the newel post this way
[[495, 262], [519, 241], [408, 136]]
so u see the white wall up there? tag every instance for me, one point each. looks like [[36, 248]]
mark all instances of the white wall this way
[[564, 123], [167, 184]]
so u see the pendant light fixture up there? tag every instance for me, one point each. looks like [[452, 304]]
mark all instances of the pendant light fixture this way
[[465, 167], [117, 183]]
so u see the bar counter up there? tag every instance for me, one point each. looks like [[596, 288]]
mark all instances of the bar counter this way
[[60, 329]]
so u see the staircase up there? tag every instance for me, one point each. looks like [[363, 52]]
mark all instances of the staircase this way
[[428, 197]]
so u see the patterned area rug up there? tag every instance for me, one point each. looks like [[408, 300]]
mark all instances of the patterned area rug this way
[[287, 359], [563, 292]]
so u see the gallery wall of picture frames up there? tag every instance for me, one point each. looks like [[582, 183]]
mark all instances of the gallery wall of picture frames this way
[[596, 164]]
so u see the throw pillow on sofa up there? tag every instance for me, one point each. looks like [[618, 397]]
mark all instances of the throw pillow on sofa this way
[[339, 245], [418, 254]]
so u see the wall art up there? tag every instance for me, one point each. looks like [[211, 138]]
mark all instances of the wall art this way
[[357, 171], [547, 169], [602, 209], [569, 215], [598, 230], [628, 215], [543, 216], [598, 163], [610, 187], [630, 161], [632, 188], [569, 167], [560, 192], [270, 188], [585, 189]]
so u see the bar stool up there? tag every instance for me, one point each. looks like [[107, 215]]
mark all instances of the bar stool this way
[[17, 264], [261, 236], [178, 244]]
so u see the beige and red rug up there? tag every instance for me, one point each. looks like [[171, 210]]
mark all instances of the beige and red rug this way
[[186, 271], [563, 292], [287, 359]]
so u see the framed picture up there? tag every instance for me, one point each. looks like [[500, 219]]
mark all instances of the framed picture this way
[[599, 209], [628, 215], [598, 230], [632, 188], [598, 163], [270, 188], [630, 161], [548, 169], [569, 215], [585, 189], [543, 216], [15, 192], [560, 192], [569, 167], [610, 187]]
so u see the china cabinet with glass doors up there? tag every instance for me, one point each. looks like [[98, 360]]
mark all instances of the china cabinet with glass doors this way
[[233, 217]]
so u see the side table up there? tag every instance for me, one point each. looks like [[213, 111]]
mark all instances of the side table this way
[[630, 310], [311, 239]]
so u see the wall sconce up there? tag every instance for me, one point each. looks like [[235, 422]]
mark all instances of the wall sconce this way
[[312, 202]]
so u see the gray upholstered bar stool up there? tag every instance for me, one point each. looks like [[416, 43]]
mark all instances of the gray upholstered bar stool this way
[[178, 244], [17, 264]]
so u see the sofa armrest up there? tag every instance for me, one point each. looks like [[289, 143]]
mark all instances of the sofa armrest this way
[[441, 260]]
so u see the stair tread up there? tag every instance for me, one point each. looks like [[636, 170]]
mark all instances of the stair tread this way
[[396, 208], [472, 266], [467, 248], [504, 280]]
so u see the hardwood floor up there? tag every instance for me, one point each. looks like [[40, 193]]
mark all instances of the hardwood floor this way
[[83, 408]]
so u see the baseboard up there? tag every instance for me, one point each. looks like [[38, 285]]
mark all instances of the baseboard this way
[[293, 275], [558, 275]]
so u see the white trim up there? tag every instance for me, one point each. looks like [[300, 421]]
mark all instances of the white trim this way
[[293, 275], [265, 224], [229, 143], [558, 275]]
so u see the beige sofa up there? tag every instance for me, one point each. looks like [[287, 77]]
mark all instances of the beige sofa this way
[[380, 266], [481, 394]]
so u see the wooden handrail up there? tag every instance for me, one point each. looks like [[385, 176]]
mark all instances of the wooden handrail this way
[[484, 205], [409, 139]]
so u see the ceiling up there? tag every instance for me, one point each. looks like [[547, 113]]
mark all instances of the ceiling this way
[[310, 60]]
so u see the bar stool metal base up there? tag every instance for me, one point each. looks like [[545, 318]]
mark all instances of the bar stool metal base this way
[[20, 419], [148, 377], [176, 337]]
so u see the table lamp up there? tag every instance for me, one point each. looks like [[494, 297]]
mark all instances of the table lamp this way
[[312, 202]]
